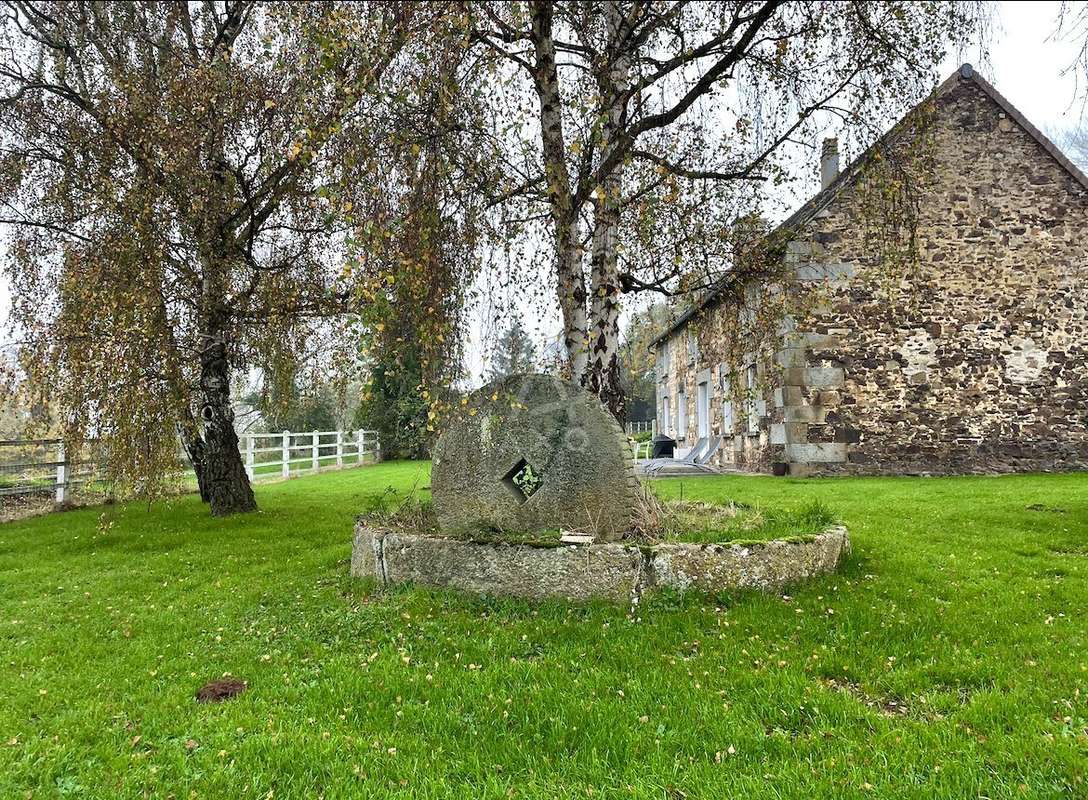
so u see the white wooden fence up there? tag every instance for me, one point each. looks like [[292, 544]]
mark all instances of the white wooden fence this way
[[41, 467], [271, 455], [640, 426]]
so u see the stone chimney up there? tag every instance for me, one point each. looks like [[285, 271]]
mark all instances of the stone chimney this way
[[829, 162]]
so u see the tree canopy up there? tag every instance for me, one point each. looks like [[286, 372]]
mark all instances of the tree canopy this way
[[195, 190]]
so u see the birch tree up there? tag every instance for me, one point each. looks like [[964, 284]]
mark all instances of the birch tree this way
[[648, 129], [1072, 26], [1074, 142], [183, 185]]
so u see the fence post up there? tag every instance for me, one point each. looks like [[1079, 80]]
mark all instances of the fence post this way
[[359, 447], [286, 470], [339, 448], [249, 454], [62, 474], [315, 462]]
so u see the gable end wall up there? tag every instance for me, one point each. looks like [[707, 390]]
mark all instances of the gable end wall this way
[[976, 363], [978, 360]]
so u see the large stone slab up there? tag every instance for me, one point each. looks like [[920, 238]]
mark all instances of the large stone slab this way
[[532, 453], [609, 571], [366, 553], [817, 452], [766, 566]]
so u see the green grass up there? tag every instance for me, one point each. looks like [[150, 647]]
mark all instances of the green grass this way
[[949, 659], [304, 464], [718, 521], [703, 522]]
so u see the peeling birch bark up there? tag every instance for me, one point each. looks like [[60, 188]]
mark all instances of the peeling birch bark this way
[[570, 272], [605, 291]]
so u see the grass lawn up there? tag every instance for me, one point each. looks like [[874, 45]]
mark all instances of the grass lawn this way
[[949, 659]]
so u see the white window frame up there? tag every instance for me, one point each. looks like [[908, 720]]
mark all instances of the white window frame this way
[[752, 381], [666, 415], [728, 422], [702, 409], [682, 414]]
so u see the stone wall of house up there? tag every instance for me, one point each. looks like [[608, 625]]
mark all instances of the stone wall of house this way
[[739, 391], [974, 361]]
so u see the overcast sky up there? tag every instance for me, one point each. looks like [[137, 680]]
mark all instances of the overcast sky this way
[[1026, 64]]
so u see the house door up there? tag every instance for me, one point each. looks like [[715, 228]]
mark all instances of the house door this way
[[702, 409]]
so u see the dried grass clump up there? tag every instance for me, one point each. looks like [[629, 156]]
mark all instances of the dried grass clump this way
[[648, 519]]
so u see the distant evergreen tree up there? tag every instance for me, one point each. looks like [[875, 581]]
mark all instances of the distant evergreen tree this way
[[514, 353], [395, 406], [637, 361], [288, 408]]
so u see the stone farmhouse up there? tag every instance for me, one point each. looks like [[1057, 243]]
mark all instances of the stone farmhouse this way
[[974, 361]]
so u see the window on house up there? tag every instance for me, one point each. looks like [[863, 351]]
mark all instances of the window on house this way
[[753, 402], [693, 347], [682, 415], [663, 362], [702, 409], [666, 416]]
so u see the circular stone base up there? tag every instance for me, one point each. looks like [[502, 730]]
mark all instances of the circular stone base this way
[[613, 571]]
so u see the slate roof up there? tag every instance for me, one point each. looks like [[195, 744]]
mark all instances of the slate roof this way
[[824, 198]]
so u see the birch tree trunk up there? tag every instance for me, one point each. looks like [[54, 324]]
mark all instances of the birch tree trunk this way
[[225, 481], [570, 273], [603, 371], [572, 301]]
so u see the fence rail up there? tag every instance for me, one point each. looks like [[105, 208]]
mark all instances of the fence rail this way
[[42, 467], [39, 467], [640, 426], [317, 450]]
